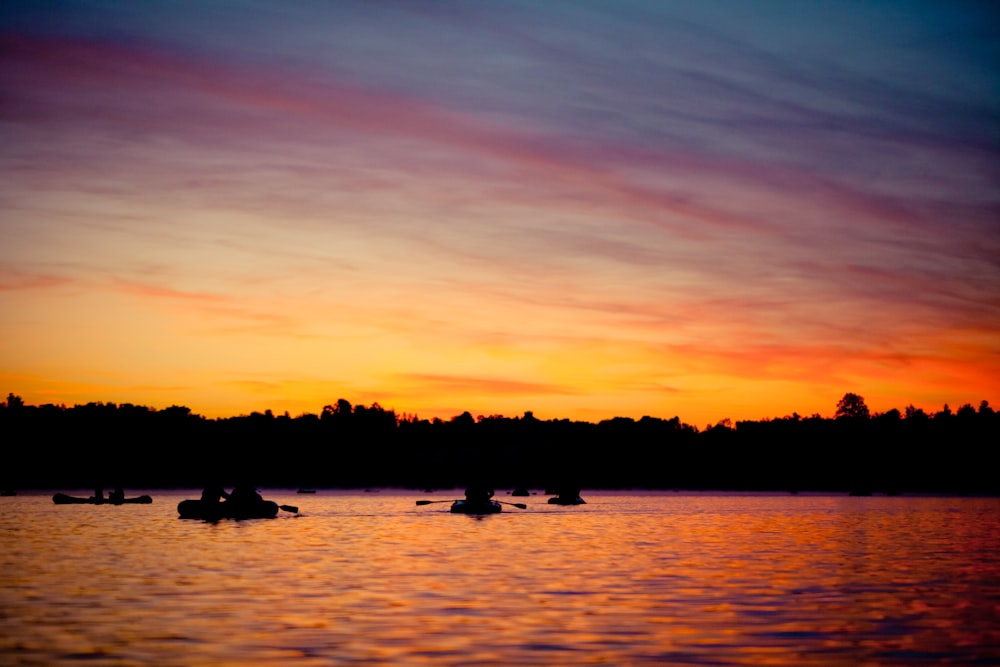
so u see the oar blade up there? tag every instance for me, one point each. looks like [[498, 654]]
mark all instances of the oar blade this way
[[520, 506], [289, 508]]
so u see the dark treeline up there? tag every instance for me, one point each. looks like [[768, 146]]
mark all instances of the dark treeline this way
[[356, 446]]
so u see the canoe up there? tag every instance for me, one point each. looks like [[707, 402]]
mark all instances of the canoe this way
[[196, 509], [571, 500], [63, 499], [465, 507]]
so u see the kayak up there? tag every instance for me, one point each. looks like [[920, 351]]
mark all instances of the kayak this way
[[570, 500], [465, 507], [63, 499], [196, 509]]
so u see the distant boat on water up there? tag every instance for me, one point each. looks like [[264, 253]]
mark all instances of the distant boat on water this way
[[476, 507], [567, 500], [199, 509], [63, 499], [567, 495]]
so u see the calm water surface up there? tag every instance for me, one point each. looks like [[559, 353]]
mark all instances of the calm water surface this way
[[628, 579]]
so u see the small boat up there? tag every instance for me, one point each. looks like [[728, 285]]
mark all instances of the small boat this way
[[306, 491], [520, 491], [63, 499], [485, 507], [196, 509], [567, 500]]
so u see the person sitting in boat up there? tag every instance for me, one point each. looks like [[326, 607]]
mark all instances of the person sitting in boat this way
[[478, 493], [245, 494], [213, 493], [568, 495], [98, 496], [117, 496], [571, 492]]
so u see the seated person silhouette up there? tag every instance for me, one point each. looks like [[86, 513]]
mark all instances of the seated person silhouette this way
[[213, 494], [478, 493], [245, 494]]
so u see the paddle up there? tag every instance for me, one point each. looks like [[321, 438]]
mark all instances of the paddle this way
[[428, 502], [517, 505], [289, 508]]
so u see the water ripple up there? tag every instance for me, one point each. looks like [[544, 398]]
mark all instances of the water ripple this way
[[626, 580]]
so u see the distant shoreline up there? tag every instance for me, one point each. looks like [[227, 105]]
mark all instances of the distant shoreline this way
[[358, 447]]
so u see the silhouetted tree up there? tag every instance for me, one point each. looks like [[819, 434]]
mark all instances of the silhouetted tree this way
[[852, 406], [966, 411]]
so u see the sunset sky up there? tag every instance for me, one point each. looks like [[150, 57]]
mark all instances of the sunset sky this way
[[583, 209]]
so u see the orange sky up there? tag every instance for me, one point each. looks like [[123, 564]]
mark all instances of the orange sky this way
[[617, 211]]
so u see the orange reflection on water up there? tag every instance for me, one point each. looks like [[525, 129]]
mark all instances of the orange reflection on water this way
[[625, 579]]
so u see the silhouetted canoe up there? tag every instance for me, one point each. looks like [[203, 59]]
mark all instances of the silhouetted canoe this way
[[306, 491], [196, 509], [567, 500], [520, 491], [465, 507], [63, 499]]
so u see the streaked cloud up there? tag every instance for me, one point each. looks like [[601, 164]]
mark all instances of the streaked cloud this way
[[706, 209]]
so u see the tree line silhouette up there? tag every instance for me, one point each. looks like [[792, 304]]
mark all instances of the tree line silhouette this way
[[357, 446]]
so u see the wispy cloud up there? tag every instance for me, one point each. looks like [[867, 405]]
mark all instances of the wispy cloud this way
[[11, 281], [491, 386], [633, 205]]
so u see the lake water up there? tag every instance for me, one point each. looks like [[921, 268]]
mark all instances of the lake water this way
[[628, 579]]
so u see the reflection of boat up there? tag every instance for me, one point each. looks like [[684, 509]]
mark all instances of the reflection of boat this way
[[567, 500], [483, 507], [63, 499], [197, 509]]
